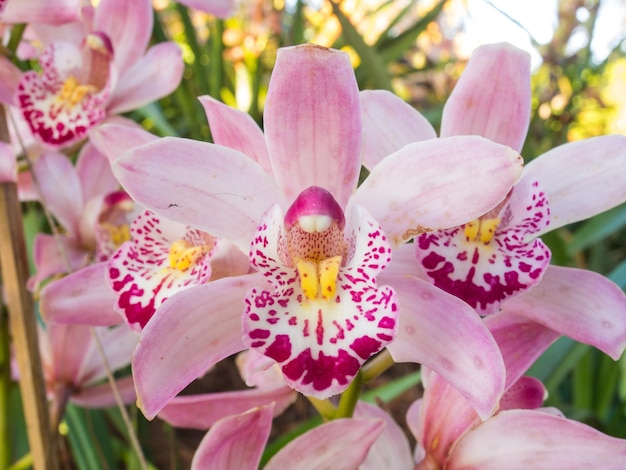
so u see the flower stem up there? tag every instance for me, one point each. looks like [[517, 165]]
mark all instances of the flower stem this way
[[349, 397], [377, 366], [324, 407]]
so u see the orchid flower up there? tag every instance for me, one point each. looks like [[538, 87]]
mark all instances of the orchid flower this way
[[95, 68], [219, 8], [73, 369], [238, 442], [450, 434], [87, 202], [316, 241], [497, 256]]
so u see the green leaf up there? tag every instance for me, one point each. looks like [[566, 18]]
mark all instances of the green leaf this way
[[371, 61], [598, 228], [618, 275], [393, 389], [393, 48], [154, 114], [80, 439]]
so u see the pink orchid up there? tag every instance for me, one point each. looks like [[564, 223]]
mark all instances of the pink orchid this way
[[499, 255], [451, 435], [318, 242], [95, 68], [73, 368], [39, 11], [238, 442], [219, 8]]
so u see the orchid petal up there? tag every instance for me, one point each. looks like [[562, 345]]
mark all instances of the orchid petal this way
[[235, 442], [208, 187], [9, 78], [202, 411], [499, 110], [445, 334], [128, 25], [49, 260], [94, 173], [520, 339], [580, 304], [521, 439], [320, 343], [313, 121], [220, 8], [101, 396], [82, 297], [341, 444], [237, 130], [437, 183], [113, 139], [61, 189], [187, 335], [69, 344], [526, 393], [39, 11], [391, 449], [151, 77], [390, 124], [581, 179], [486, 273], [8, 164], [439, 419]]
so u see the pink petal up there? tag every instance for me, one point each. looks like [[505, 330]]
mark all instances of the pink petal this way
[[580, 304], [140, 272], [220, 8], [190, 333], [151, 77], [101, 396], [237, 130], [533, 439], [83, 298], [94, 173], [313, 121], [202, 411], [342, 444], [520, 339], [39, 11], [128, 25], [526, 393], [114, 139], [437, 183], [445, 334], [235, 442], [485, 274], [391, 449], [581, 179], [49, 260], [61, 189], [9, 78], [69, 345], [208, 187], [492, 98], [390, 124], [320, 344]]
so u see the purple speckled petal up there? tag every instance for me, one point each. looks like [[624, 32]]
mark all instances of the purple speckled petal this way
[[140, 272], [486, 274], [320, 344]]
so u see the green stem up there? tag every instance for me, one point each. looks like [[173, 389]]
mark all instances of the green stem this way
[[190, 34], [16, 36], [217, 58], [5, 392], [348, 400], [324, 407], [376, 366]]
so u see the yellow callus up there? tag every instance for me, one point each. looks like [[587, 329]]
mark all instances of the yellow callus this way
[[318, 278], [118, 234], [73, 92], [183, 254], [482, 230]]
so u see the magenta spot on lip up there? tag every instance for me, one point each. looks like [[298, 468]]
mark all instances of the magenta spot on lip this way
[[365, 346], [280, 349], [320, 372], [259, 334]]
